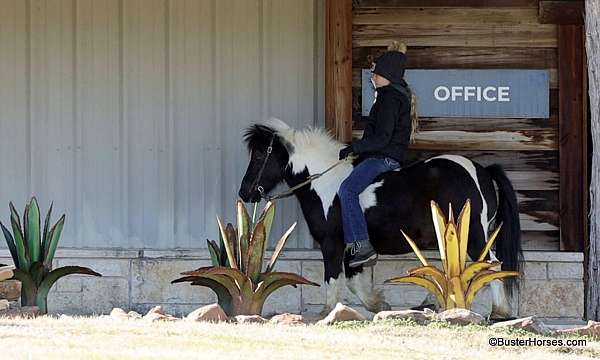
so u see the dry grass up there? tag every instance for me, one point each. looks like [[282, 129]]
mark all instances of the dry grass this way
[[105, 338]]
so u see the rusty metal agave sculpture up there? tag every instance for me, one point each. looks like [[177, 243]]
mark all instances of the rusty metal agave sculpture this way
[[457, 285], [236, 274]]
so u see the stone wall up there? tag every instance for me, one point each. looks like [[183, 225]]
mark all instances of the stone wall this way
[[551, 285]]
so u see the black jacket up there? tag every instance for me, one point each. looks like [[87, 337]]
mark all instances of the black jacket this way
[[388, 128]]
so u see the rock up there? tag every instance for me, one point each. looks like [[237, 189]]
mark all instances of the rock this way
[[4, 304], [340, 313], [210, 313], [530, 323], [288, 319], [157, 314], [10, 290], [250, 319], [592, 329], [118, 313], [420, 317], [460, 317], [24, 312]]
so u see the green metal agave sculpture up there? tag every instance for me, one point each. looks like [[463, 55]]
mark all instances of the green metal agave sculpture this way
[[236, 274], [32, 250]]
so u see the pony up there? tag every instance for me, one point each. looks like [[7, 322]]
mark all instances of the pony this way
[[395, 200]]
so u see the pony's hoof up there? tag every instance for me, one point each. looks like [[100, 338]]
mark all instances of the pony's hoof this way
[[381, 306], [501, 313], [326, 310]]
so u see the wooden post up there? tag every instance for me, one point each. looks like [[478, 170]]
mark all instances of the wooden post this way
[[572, 137], [592, 9], [338, 68]]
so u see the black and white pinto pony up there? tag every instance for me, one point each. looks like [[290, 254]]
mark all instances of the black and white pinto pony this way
[[395, 200]]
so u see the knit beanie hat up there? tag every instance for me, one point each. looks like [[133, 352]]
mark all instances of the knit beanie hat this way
[[391, 64]]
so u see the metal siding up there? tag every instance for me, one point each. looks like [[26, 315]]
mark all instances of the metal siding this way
[[129, 113]]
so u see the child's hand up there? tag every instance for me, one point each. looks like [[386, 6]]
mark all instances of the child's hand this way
[[345, 152]]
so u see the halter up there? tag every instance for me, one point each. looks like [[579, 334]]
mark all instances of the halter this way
[[291, 190]]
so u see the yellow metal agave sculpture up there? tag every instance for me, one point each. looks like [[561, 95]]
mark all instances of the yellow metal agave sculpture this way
[[457, 285], [236, 275]]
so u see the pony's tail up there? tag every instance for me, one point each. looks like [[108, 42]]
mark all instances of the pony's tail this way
[[508, 244], [414, 117]]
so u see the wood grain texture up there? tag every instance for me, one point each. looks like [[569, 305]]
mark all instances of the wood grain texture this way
[[444, 57], [483, 140], [444, 3], [477, 35], [338, 68], [540, 240], [572, 137], [561, 12], [526, 161], [462, 35], [592, 259], [445, 16]]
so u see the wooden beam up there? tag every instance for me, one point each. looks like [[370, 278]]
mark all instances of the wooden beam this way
[[338, 68], [444, 3], [561, 12], [572, 137]]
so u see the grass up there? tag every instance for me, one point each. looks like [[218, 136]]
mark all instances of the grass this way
[[106, 338]]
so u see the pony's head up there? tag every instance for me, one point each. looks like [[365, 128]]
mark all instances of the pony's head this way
[[265, 170]]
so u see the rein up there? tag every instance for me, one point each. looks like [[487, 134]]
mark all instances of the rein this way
[[291, 190]]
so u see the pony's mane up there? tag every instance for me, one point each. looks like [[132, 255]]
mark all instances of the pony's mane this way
[[307, 139]]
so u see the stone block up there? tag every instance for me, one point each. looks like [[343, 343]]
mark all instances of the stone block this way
[[151, 282], [387, 269], [71, 283], [534, 271], [565, 271], [287, 298], [66, 303], [483, 302], [313, 271], [106, 267], [100, 295], [404, 295], [552, 298]]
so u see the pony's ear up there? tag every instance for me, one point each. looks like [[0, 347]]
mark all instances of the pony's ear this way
[[284, 132]]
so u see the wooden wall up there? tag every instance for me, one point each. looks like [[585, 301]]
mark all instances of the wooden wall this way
[[502, 34]]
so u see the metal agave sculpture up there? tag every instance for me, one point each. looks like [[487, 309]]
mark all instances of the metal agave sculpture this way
[[236, 274], [457, 285], [32, 250]]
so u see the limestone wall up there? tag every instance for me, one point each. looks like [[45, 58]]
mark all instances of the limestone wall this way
[[551, 285]]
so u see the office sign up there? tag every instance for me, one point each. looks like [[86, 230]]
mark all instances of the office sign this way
[[473, 93]]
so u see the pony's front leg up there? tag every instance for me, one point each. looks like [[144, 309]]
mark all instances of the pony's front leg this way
[[360, 282], [335, 281]]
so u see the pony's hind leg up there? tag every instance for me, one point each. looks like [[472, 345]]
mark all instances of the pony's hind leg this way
[[360, 283], [500, 302], [501, 308]]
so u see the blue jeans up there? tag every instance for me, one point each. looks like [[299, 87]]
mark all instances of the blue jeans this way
[[353, 219]]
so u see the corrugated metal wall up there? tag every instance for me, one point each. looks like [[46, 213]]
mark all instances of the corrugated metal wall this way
[[129, 113]]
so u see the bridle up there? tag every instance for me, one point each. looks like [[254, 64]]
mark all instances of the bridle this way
[[256, 183], [261, 190]]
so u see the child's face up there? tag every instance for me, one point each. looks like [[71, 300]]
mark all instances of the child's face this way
[[378, 80]]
